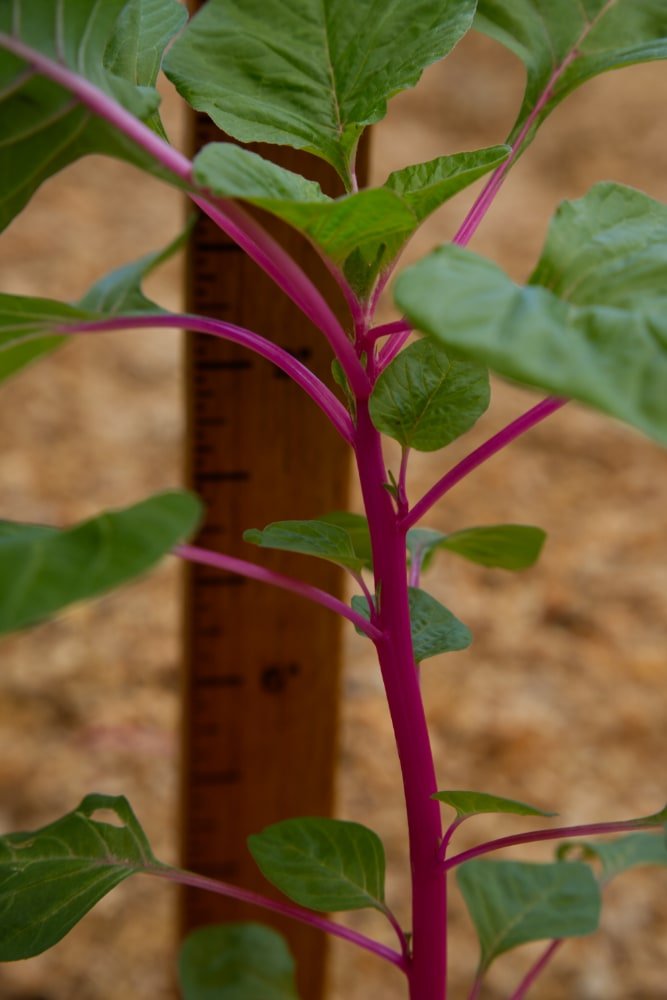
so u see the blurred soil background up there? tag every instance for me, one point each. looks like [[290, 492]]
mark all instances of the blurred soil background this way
[[561, 700]]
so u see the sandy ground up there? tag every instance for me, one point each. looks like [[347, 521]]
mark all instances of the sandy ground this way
[[561, 700]]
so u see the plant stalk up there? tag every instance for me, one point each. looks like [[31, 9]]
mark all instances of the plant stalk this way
[[427, 968]]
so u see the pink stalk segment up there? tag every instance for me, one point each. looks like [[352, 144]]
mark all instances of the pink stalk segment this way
[[278, 356], [285, 909], [427, 969], [536, 969], [238, 224], [558, 833], [231, 564], [480, 455]]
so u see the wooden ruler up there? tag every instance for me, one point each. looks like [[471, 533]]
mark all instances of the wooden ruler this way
[[262, 666]]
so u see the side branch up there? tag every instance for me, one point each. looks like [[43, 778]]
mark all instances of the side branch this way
[[238, 224], [231, 564], [285, 909], [480, 455], [297, 371]]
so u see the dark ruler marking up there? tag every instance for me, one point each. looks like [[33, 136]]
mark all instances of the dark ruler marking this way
[[261, 678]]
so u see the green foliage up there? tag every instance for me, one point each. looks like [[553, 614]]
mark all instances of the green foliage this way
[[498, 546], [426, 399], [116, 46], [236, 962], [620, 855], [324, 864], [591, 324], [320, 538], [50, 878], [434, 628], [312, 73], [574, 40], [361, 232], [473, 803], [24, 320], [512, 902], [44, 569]]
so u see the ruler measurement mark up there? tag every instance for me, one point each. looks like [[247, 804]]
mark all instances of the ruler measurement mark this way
[[225, 476], [230, 777]]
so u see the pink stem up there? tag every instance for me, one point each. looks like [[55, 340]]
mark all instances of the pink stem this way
[[476, 986], [427, 969], [297, 371], [389, 329], [392, 348], [484, 201], [480, 455], [233, 565], [285, 909], [536, 970], [559, 833], [244, 230]]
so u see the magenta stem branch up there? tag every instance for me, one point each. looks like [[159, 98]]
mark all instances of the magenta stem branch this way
[[536, 969], [231, 564], [302, 376], [238, 224], [485, 200], [480, 455], [558, 833], [284, 909]]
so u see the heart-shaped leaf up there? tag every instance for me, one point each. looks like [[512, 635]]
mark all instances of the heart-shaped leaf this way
[[312, 73], [50, 878], [324, 864], [116, 46], [563, 43], [620, 855], [236, 962], [319, 538], [44, 569], [473, 803], [512, 902], [592, 322], [426, 398], [499, 546]]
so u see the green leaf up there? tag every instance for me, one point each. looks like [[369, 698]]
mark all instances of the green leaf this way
[[312, 73], [426, 399], [501, 546], [44, 569], [371, 226], [572, 40], [473, 803], [24, 320], [512, 902], [236, 962], [620, 855], [324, 864], [434, 628], [116, 46], [592, 322], [356, 528], [50, 878], [319, 538]]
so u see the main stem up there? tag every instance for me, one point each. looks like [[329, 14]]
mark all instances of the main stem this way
[[428, 964]]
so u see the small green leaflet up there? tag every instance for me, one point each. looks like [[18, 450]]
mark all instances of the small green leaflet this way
[[312, 73], [620, 855], [501, 546], [324, 864], [363, 231], [44, 569], [221, 963], [116, 46], [356, 527], [512, 902], [321, 538], [24, 320], [434, 628], [592, 322], [574, 40], [473, 803], [426, 399], [50, 878]]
